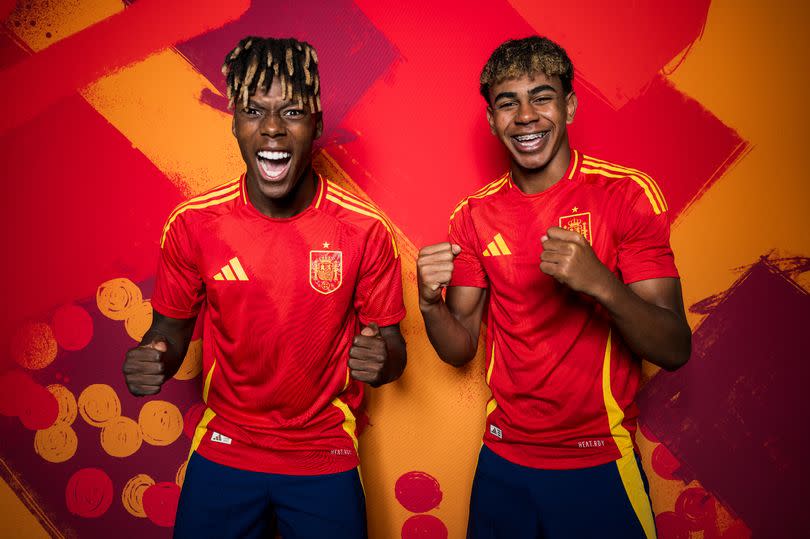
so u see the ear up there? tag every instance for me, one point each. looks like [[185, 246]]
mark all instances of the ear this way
[[233, 123], [491, 120], [319, 125], [571, 107]]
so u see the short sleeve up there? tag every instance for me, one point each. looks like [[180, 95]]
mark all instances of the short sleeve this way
[[378, 297], [179, 289], [644, 251], [467, 267]]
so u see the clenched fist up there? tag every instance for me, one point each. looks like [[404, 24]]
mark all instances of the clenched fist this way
[[145, 367], [434, 269], [569, 258], [368, 356]]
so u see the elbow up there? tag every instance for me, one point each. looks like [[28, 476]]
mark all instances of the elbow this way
[[681, 353]]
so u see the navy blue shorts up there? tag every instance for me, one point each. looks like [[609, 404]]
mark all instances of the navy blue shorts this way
[[516, 502], [220, 501]]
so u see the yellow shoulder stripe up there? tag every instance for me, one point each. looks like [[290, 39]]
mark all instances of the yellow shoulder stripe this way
[[489, 189], [653, 185], [351, 198], [352, 204], [205, 204], [223, 189], [639, 181]]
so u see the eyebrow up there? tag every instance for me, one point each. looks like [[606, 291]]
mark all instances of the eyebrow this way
[[534, 91]]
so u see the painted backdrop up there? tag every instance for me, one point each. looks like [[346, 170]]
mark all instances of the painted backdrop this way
[[113, 113]]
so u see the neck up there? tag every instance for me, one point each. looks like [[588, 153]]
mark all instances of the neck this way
[[296, 201], [537, 180]]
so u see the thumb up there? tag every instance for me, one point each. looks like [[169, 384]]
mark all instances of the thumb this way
[[157, 343], [456, 249], [371, 330]]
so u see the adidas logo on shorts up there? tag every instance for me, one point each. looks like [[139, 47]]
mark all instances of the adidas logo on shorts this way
[[496, 432]]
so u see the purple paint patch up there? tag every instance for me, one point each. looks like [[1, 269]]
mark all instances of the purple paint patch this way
[[352, 53], [733, 415]]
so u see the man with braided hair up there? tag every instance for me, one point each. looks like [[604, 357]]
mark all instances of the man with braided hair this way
[[303, 299], [570, 257]]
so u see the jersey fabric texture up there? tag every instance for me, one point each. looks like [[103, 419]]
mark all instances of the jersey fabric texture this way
[[563, 383], [283, 299]]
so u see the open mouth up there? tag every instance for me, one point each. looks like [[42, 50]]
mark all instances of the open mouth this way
[[530, 142], [274, 164]]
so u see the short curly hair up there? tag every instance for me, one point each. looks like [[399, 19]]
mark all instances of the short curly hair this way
[[527, 56]]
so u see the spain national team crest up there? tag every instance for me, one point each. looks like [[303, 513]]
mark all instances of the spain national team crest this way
[[325, 270], [579, 223]]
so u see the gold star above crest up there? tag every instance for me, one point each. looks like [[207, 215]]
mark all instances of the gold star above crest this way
[[575, 209], [326, 245]]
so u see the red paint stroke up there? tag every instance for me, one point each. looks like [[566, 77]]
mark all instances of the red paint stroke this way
[[89, 493], [670, 525], [418, 492], [72, 327], [160, 503], [192, 418], [648, 433], [664, 462], [698, 507], [142, 29], [424, 527], [21, 396], [6, 7]]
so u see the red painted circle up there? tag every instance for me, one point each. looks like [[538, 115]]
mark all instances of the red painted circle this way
[[648, 433], [697, 506], [21, 396], [672, 526], [89, 493], [424, 527], [192, 418], [72, 327], [664, 462], [160, 503], [418, 492]]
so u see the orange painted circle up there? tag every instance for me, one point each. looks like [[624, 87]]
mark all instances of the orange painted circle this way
[[57, 443], [192, 363], [34, 346], [116, 297], [99, 404], [132, 495], [161, 422], [139, 320], [181, 474], [121, 437], [68, 409]]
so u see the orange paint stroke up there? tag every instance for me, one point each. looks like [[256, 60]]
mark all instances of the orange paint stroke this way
[[132, 495]]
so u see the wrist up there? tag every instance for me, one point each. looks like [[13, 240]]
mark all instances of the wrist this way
[[608, 290], [428, 307]]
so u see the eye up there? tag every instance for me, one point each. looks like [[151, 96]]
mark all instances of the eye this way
[[541, 99], [294, 113], [506, 104], [251, 111]]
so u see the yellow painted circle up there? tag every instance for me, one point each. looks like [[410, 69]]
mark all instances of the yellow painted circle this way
[[192, 363], [34, 346], [117, 297], [99, 404], [57, 443], [132, 495], [68, 409], [139, 320], [181, 474], [121, 437], [161, 422]]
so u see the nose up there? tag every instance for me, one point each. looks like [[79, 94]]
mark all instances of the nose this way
[[526, 114], [273, 125]]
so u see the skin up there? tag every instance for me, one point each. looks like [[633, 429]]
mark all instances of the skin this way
[[649, 314], [268, 122]]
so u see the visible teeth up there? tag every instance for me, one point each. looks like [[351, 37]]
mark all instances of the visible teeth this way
[[533, 136], [274, 156]]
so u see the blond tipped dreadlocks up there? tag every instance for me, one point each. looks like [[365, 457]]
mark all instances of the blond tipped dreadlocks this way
[[256, 62], [527, 56]]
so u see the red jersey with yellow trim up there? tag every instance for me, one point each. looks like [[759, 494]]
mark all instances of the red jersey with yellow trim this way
[[563, 382], [284, 299]]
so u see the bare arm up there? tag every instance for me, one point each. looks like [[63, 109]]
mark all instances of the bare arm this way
[[378, 355], [453, 324], [161, 352]]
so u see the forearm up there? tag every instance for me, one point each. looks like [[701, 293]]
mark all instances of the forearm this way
[[452, 341], [655, 333], [397, 356]]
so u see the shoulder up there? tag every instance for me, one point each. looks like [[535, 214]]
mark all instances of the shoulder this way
[[629, 182], [483, 197], [356, 212], [207, 205]]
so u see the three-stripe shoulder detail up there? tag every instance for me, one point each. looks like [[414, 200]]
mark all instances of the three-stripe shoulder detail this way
[[592, 165], [213, 197], [351, 202], [488, 190]]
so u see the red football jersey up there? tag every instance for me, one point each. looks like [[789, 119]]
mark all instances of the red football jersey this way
[[563, 382], [283, 300]]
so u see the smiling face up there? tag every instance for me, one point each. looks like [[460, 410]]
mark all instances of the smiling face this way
[[275, 136], [530, 115]]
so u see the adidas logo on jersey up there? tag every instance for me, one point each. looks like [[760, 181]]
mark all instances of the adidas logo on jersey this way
[[232, 271], [220, 438], [497, 247]]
